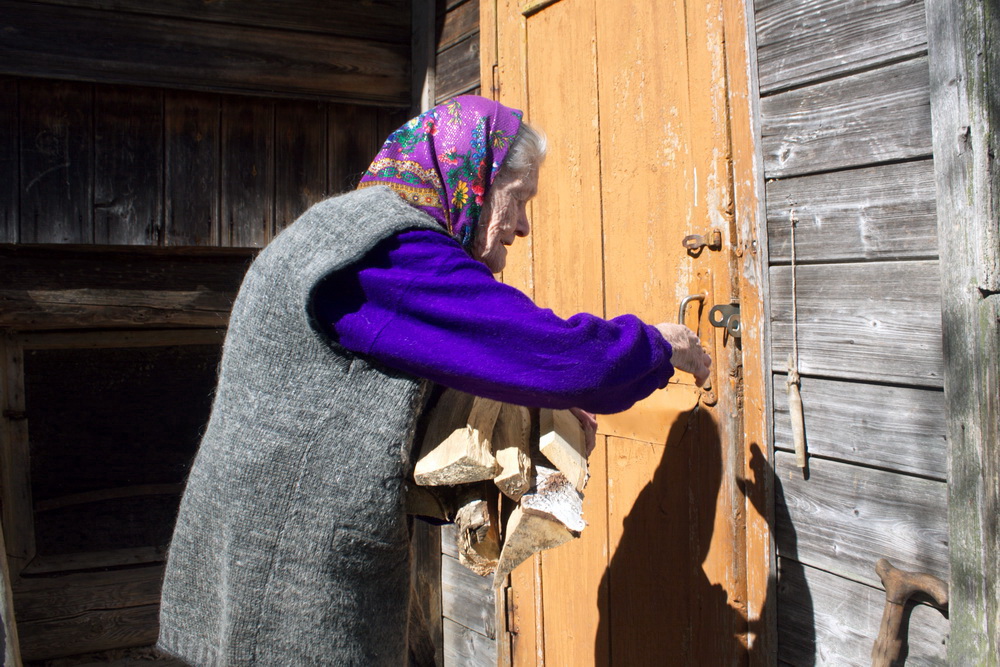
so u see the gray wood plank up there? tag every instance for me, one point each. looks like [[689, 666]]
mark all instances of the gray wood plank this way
[[459, 22], [299, 159], [128, 165], [63, 42], [354, 140], [426, 634], [876, 116], [56, 155], [964, 47], [449, 540], [191, 209], [900, 428], [9, 169], [467, 598], [879, 321], [466, 648], [803, 40], [95, 630], [826, 620], [382, 20], [884, 212], [457, 68], [843, 518], [247, 171]]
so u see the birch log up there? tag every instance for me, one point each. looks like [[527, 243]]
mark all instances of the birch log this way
[[457, 448], [512, 448]]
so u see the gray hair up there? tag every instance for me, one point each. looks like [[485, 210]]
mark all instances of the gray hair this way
[[527, 151]]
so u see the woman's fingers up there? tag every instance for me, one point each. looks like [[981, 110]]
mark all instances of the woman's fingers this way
[[688, 354]]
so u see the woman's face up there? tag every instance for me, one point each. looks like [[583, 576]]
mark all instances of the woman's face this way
[[504, 217]]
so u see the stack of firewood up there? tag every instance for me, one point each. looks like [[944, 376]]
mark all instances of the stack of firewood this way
[[510, 478]]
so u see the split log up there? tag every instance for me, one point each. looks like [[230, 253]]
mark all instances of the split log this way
[[456, 447], [512, 449], [478, 524], [548, 515], [564, 443]]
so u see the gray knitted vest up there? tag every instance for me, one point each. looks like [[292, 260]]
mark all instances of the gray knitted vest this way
[[291, 543]]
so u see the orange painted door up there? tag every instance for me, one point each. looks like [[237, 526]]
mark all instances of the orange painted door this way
[[634, 99]]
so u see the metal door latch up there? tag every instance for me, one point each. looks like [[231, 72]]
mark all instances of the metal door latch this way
[[726, 316], [695, 242]]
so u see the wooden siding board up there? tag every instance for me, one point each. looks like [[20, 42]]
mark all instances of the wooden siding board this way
[[457, 68], [381, 20], [61, 42], [247, 171], [467, 598], [467, 648], [885, 212], [40, 598], [876, 116], [459, 22], [353, 142], [898, 428], [96, 630], [879, 321], [827, 620], [299, 160], [191, 208], [804, 40], [128, 166], [9, 163], [56, 162], [843, 518]]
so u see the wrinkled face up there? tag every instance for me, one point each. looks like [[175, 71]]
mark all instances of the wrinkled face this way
[[504, 217]]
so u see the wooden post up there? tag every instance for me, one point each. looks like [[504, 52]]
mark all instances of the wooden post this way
[[423, 59], [964, 53]]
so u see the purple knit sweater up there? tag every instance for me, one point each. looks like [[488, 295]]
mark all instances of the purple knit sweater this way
[[419, 304]]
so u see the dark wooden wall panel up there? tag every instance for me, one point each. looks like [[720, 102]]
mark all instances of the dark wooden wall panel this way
[[804, 40], [354, 140], [845, 517], [128, 166], [885, 212], [116, 47], [378, 20], [458, 68], [876, 322], [10, 176], [460, 21], [877, 116], [842, 617], [56, 162], [247, 175], [191, 208], [891, 427], [300, 162]]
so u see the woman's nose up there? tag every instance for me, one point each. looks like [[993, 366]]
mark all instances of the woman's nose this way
[[523, 226]]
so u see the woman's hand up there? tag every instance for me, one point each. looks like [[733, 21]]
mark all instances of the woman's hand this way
[[589, 423], [688, 355]]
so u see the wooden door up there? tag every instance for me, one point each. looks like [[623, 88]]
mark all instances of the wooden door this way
[[633, 97]]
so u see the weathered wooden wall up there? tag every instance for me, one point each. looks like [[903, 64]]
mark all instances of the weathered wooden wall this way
[[846, 138], [183, 133], [457, 48]]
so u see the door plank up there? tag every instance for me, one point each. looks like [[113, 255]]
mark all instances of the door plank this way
[[300, 159], [9, 169], [247, 172], [845, 517], [900, 428], [128, 172], [191, 181], [885, 212], [827, 620], [871, 117], [799, 41], [874, 322], [56, 162]]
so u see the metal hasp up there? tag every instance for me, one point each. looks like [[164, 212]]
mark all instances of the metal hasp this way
[[695, 242], [726, 316]]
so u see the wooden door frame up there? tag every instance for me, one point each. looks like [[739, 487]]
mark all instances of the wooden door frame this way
[[518, 604]]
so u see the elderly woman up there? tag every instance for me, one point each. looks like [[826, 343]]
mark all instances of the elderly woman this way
[[291, 543]]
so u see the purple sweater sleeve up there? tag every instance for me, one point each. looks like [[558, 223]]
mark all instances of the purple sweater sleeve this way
[[419, 304]]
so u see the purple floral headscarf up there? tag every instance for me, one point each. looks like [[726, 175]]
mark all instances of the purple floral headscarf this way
[[444, 160]]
